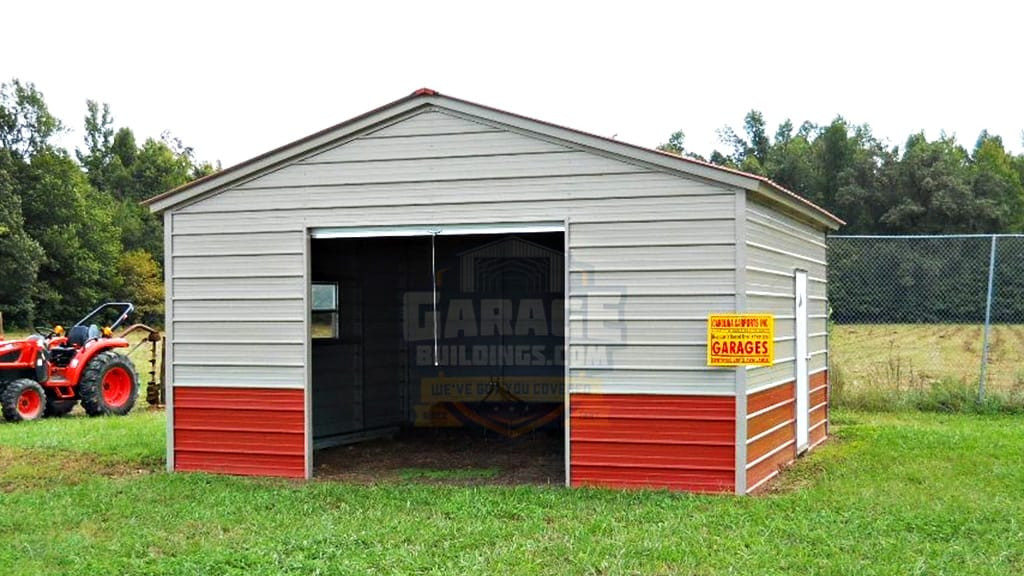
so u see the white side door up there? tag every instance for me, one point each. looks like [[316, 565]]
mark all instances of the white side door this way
[[802, 383]]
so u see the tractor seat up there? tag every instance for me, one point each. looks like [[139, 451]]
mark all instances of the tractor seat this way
[[77, 337]]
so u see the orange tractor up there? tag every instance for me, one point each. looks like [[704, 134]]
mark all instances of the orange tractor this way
[[49, 372]]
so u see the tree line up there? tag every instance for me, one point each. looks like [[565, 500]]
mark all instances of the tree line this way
[[924, 187], [72, 231]]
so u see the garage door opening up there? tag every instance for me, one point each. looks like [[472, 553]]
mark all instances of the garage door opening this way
[[439, 355]]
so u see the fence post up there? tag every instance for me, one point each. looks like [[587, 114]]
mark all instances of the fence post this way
[[988, 319]]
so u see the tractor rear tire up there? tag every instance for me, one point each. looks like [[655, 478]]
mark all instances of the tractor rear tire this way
[[22, 399], [58, 407], [108, 385]]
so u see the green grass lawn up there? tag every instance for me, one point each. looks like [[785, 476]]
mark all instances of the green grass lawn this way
[[913, 493]]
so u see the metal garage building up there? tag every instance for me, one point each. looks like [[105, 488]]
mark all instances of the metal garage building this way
[[395, 269]]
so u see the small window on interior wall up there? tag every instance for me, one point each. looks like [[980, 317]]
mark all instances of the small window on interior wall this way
[[325, 310]]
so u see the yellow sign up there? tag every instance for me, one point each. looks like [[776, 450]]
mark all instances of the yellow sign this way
[[741, 339]]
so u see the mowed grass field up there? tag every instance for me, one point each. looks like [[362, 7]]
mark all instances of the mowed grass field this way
[[906, 357], [911, 493]]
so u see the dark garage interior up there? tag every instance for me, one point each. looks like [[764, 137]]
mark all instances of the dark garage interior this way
[[481, 389]]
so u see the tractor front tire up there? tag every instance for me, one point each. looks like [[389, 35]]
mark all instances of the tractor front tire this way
[[22, 399], [108, 385], [58, 406]]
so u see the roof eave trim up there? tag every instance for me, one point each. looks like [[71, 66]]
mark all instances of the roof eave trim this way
[[597, 143], [799, 204], [246, 169]]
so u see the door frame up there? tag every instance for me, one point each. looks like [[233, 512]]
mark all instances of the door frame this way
[[311, 233], [800, 357]]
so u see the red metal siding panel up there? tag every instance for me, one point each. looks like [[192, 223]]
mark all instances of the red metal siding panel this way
[[819, 419], [240, 464], [227, 418], [245, 431], [653, 406], [765, 421], [771, 432], [769, 467], [649, 441], [760, 400], [775, 445], [770, 441], [639, 477], [817, 415], [817, 435], [679, 456], [819, 379], [818, 396], [239, 398]]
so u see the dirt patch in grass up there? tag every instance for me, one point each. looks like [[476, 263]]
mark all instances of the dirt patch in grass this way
[[25, 469], [801, 474], [447, 456]]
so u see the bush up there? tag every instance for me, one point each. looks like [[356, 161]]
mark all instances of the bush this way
[[142, 285]]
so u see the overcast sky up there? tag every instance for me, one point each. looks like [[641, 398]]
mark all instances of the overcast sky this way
[[235, 79]]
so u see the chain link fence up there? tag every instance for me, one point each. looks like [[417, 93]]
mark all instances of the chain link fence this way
[[911, 313]]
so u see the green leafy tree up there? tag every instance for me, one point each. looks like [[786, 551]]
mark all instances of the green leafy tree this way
[[26, 125], [852, 174], [20, 255], [130, 174], [790, 161], [99, 133], [749, 154], [674, 144], [73, 233], [155, 168], [932, 190], [997, 183], [142, 284], [74, 224]]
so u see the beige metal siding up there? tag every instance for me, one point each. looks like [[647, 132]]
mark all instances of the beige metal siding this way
[[778, 244], [619, 189], [651, 253]]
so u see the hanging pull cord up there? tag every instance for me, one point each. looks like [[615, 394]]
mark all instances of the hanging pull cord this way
[[433, 283]]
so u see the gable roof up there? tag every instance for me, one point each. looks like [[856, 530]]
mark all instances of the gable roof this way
[[426, 98]]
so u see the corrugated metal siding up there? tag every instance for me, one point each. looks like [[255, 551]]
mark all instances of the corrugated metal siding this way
[[771, 427], [771, 433], [676, 442], [472, 210], [672, 235], [819, 405], [776, 245], [254, 431]]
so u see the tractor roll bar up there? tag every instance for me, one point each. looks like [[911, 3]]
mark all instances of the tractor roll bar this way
[[128, 307]]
